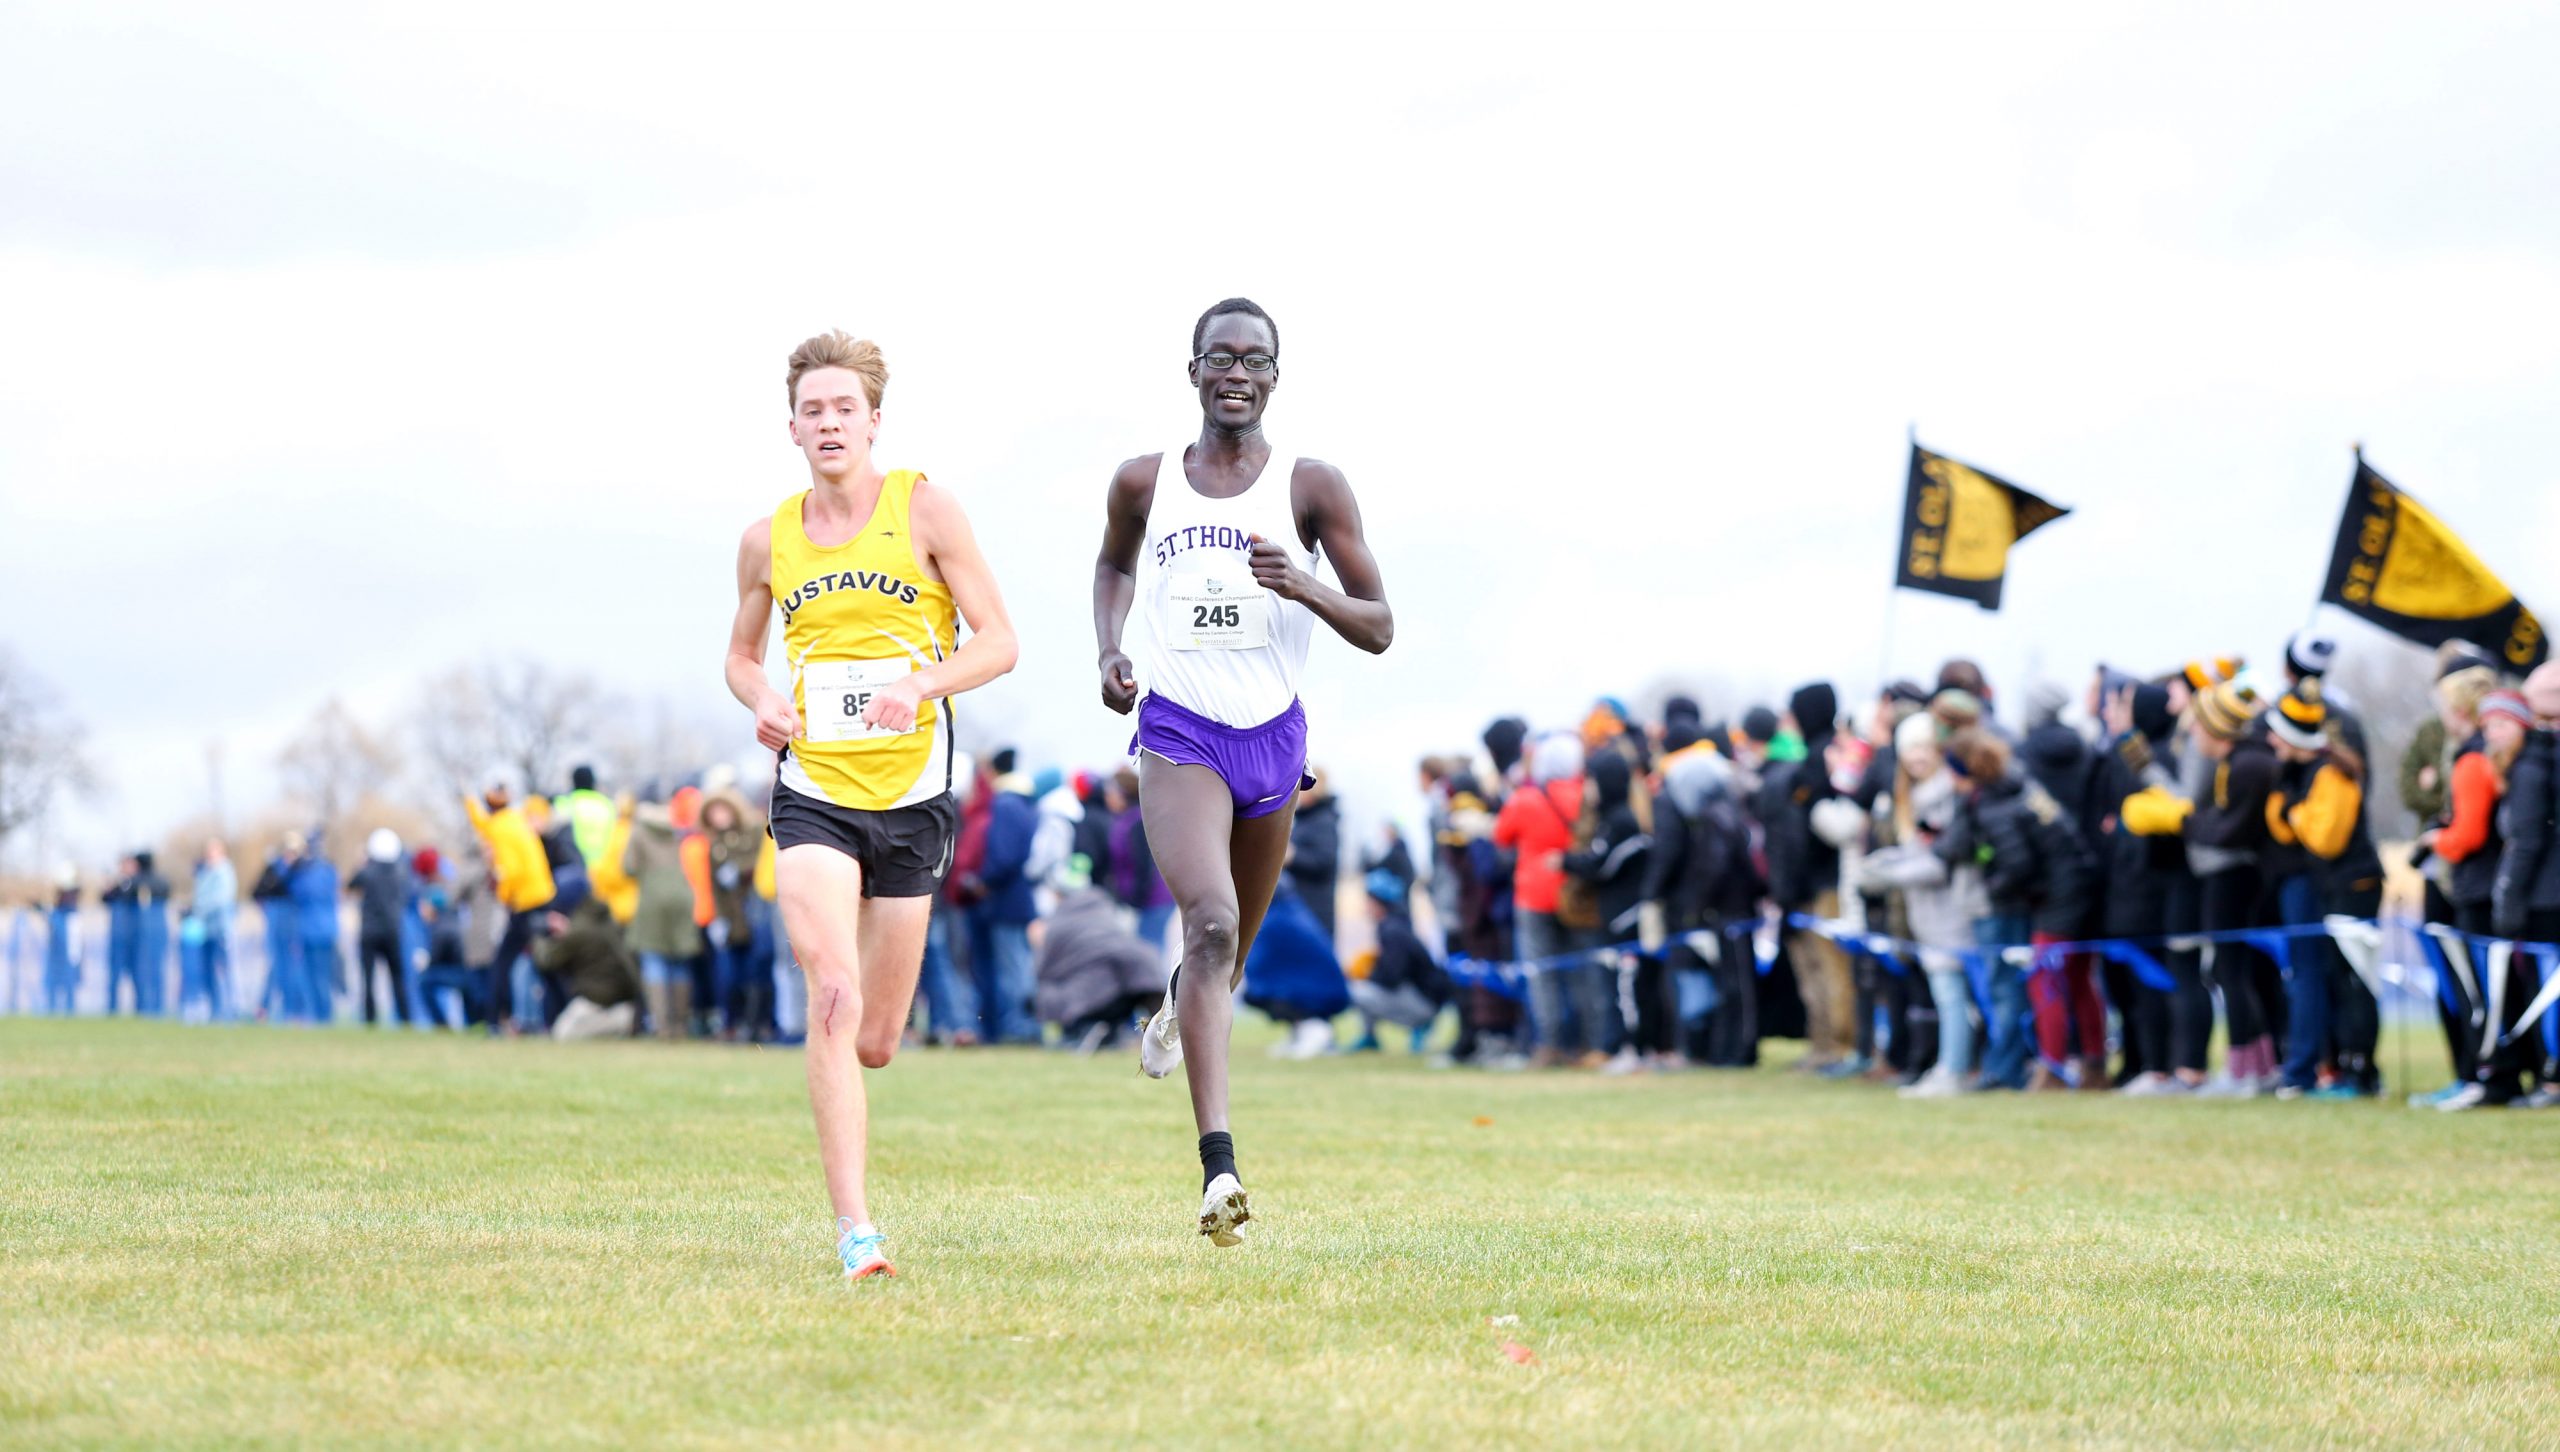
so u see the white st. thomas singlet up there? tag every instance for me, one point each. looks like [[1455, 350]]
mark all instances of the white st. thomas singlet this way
[[1207, 636]]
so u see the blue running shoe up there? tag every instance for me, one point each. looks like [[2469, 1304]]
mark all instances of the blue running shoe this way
[[858, 1246]]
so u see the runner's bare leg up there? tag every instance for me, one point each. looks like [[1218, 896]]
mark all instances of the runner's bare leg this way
[[861, 961], [1222, 872]]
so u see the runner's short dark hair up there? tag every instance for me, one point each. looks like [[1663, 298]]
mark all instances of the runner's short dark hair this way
[[1200, 329]]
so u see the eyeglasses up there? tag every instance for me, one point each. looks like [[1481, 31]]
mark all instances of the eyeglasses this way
[[1253, 362]]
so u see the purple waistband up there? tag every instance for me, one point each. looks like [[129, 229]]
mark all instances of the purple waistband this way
[[1187, 717]]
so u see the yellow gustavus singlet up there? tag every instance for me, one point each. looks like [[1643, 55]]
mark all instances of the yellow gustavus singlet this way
[[854, 619]]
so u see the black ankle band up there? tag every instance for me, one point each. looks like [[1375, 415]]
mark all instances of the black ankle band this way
[[1217, 1156]]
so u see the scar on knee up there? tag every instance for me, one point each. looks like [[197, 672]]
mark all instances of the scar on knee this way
[[834, 997]]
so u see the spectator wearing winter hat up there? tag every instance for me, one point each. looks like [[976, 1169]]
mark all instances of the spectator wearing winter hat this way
[[382, 890], [2472, 843], [2525, 899], [521, 872], [281, 999], [2151, 892], [1940, 893], [1405, 985], [2199, 676], [1804, 878], [1751, 741], [213, 902], [585, 954], [2317, 809], [1536, 824], [2226, 839], [1706, 890], [1094, 978], [1315, 851], [312, 879], [64, 945], [1610, 859], [2464, 679], [2465, 672], [2007, 825], [1505, 742]]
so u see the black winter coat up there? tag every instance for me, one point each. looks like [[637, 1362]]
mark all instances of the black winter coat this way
[[1801, 865], [382, 894], [2142, 872], [1700, 869], [1403, 961], [2528, 878], [1614, 864], [2233, 815], [2032, 860]]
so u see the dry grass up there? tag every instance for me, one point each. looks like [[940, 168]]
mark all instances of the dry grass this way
[[221, 1237]]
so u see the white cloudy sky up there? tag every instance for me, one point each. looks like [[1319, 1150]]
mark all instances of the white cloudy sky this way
[[338, 345]]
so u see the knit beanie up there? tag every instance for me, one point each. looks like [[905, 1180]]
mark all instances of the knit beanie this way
[[2506, 703], [1917, 731], [2456, 656], [2308, 655], [1816, 708], [2299, 719], [1956, 709], [2211, 671], [1503, 740], [2151, 712], [1760, 724], [2542, 691], [2225, 710]]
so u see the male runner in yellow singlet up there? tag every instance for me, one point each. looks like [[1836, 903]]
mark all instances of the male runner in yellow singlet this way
[[873, 571]]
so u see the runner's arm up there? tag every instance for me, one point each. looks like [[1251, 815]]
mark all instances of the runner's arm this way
[[1358, 612], [777, 724], [942, 531], [1115, 582]]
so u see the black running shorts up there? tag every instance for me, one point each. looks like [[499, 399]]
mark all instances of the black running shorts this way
[[904, 852]]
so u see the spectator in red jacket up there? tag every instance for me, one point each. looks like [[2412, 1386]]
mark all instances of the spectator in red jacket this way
[[1537, 824]]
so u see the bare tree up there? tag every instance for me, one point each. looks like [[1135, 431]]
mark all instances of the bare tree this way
[[454, 732], [527, 717], [40, 757], [539, 717], [334, 763], [657, 744]]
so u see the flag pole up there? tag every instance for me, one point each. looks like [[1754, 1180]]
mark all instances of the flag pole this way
[[1893, 582]]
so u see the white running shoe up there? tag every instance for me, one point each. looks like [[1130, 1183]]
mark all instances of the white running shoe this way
[[1311, 1039], [1222, 1209], [1160, 1042], [1936, 1084], [2469, 1096]]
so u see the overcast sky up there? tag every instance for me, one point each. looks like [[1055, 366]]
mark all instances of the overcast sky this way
[[344, 345]]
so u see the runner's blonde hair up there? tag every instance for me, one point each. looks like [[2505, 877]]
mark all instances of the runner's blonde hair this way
[[835, 349]]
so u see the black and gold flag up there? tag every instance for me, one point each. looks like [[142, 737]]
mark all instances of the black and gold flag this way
[[2397, 565], [1957, 526]]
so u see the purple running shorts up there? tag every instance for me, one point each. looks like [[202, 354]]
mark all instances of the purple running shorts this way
[[1263, 766]]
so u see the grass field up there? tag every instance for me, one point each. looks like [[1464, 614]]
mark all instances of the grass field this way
[[249, 1236]]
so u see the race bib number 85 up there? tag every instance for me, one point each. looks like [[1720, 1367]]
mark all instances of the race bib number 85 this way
[[1223, 610], [837, 692]]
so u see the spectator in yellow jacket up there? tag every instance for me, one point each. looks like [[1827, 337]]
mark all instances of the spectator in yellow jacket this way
[[617, 889], [521, 873]]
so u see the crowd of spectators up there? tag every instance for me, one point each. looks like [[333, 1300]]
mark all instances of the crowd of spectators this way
[[1906, 887], [1928, 897]]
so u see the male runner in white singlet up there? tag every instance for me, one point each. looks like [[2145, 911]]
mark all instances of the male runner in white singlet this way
[[1216, 545], [873, 573]]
